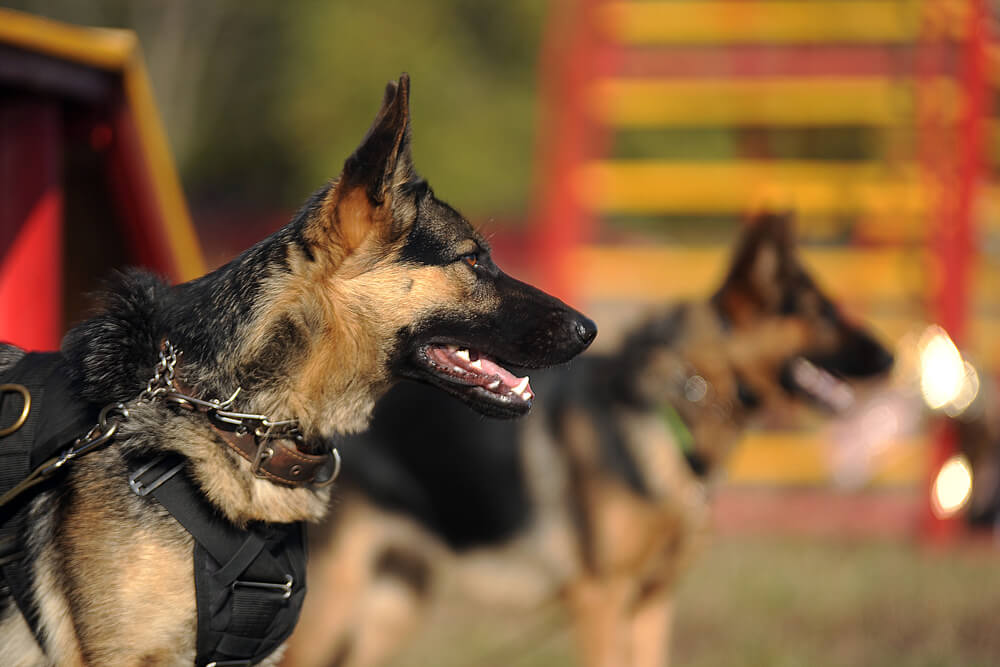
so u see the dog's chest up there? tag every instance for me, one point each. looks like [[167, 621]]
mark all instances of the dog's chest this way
[[128, 574], [658, 455]]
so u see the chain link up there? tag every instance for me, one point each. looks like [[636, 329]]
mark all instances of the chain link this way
[[113, 414], [163, 374], [161, 386]]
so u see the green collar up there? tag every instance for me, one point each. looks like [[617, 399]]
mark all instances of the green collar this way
[[682, 434]]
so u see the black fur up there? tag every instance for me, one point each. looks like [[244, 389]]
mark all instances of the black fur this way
[[112, 355], [430, 457], [431, 241]]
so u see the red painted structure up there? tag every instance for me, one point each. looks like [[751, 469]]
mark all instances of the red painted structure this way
[[572, 48], [31, 207], [86, 181], [954, 159]]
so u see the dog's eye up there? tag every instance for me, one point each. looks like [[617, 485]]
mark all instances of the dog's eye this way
[[472, 259]]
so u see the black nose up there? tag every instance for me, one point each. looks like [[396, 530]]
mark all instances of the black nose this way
[[586, 330]]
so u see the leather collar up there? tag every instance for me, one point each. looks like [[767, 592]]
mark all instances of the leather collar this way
[[280, 459], [276, 457]]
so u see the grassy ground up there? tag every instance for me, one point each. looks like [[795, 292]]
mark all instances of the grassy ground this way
[[774, 602]]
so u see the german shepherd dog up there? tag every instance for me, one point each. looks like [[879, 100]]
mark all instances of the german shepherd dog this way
[[375, 279], [597, 498]]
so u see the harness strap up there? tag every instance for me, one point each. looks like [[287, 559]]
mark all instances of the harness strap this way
[[55, 418], [249, 583]]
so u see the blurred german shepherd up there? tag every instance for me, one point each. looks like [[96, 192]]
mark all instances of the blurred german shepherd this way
[[375, 279], [597, 498]]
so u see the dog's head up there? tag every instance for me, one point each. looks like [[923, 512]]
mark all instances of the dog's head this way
[[414, 287], [786, 333]]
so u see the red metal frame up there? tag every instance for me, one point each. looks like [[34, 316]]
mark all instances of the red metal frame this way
[[573, 45], [957, 166]]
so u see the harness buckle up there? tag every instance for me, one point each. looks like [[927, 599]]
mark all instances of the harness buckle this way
[[285, 589], [23, 417], [142, 490]]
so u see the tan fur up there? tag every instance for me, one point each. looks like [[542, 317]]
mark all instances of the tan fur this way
[[596, 606], [17, 641], [650, 630], [364, 300]]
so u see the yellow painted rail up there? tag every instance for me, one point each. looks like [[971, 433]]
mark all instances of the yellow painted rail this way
[[775, 457], [772, 22], [773, 101], [808, 187], [663, 273]]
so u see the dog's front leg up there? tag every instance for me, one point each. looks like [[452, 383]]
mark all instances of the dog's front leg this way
[[598, 609], [650, 626]]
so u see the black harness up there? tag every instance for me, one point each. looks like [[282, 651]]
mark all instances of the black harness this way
[[249, 582]]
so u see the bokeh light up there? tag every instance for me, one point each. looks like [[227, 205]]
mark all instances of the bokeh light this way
[[947, 381], [952, 487]]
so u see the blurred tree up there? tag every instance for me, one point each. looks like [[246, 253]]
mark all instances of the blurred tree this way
[[473, 69], [263, 100]]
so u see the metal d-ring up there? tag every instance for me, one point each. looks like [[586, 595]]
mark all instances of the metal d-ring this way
[[23, 417], [335, 455]]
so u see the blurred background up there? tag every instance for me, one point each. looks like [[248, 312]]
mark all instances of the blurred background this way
[[610, 150]]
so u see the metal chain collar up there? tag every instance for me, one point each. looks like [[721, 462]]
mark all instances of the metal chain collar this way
[[113, 414], [163, 374], [163, 387]]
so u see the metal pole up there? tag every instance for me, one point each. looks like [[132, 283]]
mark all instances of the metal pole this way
[[952, 246]]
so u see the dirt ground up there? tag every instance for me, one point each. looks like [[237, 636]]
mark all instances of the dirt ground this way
[[774, 601]]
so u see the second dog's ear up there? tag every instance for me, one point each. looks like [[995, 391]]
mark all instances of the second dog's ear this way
[[764, 260], [362, 200]]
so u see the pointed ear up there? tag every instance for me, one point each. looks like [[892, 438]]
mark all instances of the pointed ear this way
[[763, 261], [362, 199], [383, 159]]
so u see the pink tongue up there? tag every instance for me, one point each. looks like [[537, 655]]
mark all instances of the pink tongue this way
[[490, 368], [487, 368]]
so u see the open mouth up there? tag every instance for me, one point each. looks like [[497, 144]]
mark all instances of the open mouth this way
[[476, 378], [821, 385]]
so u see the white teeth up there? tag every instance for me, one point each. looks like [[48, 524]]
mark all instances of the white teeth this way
[[463, 354], [521, 386], [478, 365], [494, 385], [458, 369]]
